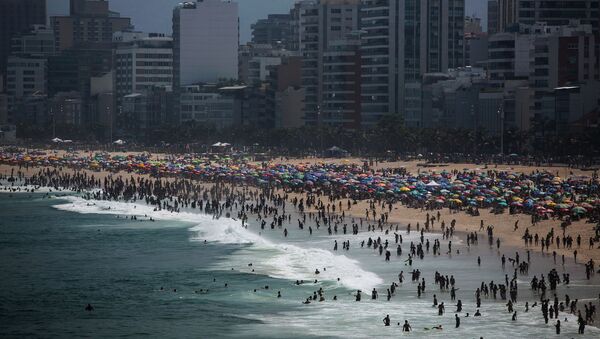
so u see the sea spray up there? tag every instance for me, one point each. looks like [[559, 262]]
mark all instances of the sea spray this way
[[277, 260]]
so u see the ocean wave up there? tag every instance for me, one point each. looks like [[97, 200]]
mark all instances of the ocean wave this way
[[277, 260]]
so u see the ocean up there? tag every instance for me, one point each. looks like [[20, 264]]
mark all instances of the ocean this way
[[189, 275]]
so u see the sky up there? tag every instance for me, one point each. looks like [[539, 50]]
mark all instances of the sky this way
[[155, 15]]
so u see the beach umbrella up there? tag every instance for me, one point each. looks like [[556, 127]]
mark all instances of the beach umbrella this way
[[578, 210]]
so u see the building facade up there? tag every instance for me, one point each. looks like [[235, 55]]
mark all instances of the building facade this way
[[142, 64], [276, 29], [205, 42], [323, 25], [90, 25], [39, 41], [26, 75], [17, 16], [201, 106], [401, 41]]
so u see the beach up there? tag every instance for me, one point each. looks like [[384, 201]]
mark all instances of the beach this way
[[504, 223], [287, 253]]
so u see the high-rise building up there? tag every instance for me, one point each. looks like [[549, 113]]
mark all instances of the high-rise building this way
[[285, 95], [26, 75], [205, 42], [509, 56], [401, 41], [143, 63], [340, 105], [17, 16], [475, 43], [325, 26], [561, 56], [508, 14], [492, 15], [473, 25], [39, 42], [550, 12], [558, 12], [90, 25], [27, 70], [255, 60], [276, 29]]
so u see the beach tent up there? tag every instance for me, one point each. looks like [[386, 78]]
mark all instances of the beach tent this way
[[336, 152], [432, 183], [220, 147]]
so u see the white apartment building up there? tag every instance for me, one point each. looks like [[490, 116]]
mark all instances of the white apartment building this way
[[25, 75], [205, 41], [143, 63]]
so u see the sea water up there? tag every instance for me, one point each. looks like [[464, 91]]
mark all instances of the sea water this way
[[60, 253]]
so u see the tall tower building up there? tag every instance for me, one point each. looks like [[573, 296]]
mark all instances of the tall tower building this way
[[402, 40], [90, 25], [144, 63], [276, 30], [330, 66], [550, 12], [492, 13], [205, 41], [17, 16]]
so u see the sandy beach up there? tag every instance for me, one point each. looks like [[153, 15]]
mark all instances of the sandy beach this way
[[402, 215]]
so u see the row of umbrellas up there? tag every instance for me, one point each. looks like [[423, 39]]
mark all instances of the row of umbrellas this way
[[539, 192]]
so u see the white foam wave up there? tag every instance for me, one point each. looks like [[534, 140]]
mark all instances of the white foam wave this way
[[278, 260]]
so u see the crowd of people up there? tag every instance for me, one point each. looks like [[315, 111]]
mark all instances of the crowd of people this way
[[319, 198]]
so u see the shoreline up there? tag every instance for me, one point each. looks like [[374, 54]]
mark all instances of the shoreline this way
[[400, 215], [503, 223]]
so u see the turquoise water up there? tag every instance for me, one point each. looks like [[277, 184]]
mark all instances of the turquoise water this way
[[55, 262], [58, 254]]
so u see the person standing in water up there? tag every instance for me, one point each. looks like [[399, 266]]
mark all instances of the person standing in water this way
[[386, 320], [457, 320], [406, 327]]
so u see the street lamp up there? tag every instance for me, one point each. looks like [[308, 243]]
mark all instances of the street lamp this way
[[53, 123], [474, 129], [501, 114], [109, 114], [320, 122]]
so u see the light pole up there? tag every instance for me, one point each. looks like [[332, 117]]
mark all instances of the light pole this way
[[110, 121], [320, 122], [53, 123], [473, 114], [501, 114]]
